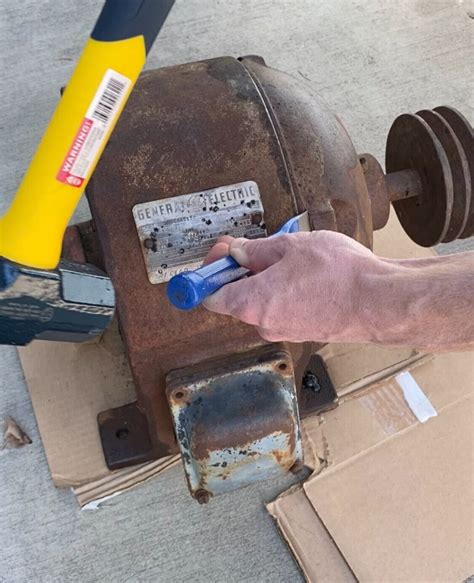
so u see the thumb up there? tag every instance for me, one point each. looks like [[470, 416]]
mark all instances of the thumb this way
[[257, 254]]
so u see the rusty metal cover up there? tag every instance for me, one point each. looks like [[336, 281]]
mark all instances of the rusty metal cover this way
[[236, 421], [320, 159]]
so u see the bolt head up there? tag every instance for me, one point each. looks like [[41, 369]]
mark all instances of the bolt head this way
[[311, 382], [202, 496], [297, 467]]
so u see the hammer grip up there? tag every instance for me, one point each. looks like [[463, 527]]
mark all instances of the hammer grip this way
[[124, 19], [32, 230]]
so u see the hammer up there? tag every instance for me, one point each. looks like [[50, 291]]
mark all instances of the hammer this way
[[40, 297]]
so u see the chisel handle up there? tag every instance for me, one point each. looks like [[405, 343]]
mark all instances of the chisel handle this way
[[187, 290], [32, 230]]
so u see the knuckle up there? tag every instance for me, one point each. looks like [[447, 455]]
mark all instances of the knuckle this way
[[287, 241], [267, 334], [265, 319], [255, 247], [266, 315], [227, 239], [243, 310]]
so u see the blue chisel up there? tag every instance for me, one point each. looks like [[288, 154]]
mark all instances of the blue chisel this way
[[187, 290]]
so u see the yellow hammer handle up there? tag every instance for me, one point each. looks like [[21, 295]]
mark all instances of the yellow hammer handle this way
[[32, 230]]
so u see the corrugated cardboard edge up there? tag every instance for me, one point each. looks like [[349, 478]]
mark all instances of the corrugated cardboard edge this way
[[381, 376], [69, 385], [315, 445], [92, 494], [372, 381], [310, 543], [349, 364]]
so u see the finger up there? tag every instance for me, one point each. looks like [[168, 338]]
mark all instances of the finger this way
[[219, 250], [280, 335], [271, 335], [240, 299], [258, 254], [225, 239]]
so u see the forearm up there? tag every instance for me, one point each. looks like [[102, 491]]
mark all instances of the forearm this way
[[425, 303]]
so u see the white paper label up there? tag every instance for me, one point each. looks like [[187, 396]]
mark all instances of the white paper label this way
[[93, 131], [415, 397], [176, 233]]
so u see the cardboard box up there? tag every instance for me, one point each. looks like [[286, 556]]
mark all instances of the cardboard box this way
[[393, 499]]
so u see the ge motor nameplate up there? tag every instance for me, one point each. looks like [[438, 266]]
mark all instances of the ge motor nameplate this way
[[176, 233]]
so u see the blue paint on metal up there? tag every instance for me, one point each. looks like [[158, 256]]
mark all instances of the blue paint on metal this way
[[33, 304], [8, 274]]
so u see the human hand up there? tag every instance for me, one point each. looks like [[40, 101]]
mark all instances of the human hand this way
[[306, 286]]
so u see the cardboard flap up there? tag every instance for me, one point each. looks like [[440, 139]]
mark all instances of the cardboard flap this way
[[309, 540], [395, 494], [354, 366], [404, 511], [69, 385]]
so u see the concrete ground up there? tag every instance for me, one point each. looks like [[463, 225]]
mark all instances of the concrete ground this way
[[370, 60]]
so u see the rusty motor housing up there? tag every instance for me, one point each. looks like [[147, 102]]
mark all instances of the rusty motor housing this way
[[207, 127]]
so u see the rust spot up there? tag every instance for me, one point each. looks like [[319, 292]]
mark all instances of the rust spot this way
[[346, 216], [278, 455]]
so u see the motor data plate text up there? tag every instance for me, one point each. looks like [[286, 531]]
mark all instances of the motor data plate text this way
[[176, 233]]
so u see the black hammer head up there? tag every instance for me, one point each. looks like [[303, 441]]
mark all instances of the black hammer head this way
[[72, 303]]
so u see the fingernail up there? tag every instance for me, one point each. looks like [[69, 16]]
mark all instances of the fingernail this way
[[238, 252]]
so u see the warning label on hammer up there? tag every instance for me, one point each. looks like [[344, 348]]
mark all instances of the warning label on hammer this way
[[92, 133], [176, 233]]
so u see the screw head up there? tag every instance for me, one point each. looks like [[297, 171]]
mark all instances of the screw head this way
[[202, 496], [122, 433], [311, 382], [297, 467]]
